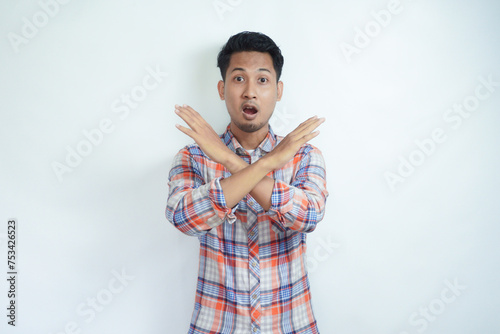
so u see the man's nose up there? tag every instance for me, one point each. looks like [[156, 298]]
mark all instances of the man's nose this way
[[250, 91]]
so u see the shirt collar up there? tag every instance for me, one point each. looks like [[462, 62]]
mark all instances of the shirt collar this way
[[266, 145]]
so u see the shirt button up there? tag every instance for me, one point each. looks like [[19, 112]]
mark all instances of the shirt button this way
[[254, 296], [252, 233], [255, 329]]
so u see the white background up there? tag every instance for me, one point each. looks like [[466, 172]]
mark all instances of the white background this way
[[383, 257]]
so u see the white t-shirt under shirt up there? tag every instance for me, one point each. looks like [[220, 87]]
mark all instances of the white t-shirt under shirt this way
[[253, 156]]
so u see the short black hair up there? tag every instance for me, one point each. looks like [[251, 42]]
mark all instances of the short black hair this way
[[249, 41]]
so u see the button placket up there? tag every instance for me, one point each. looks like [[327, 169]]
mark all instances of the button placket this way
[[254, 276]]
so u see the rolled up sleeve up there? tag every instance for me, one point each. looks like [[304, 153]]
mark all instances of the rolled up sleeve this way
[[300, 205], [194, 206]]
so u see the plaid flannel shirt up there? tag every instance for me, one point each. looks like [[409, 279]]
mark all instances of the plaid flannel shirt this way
[[252, 266]]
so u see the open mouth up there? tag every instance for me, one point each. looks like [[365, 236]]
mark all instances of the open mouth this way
[[249, 109]]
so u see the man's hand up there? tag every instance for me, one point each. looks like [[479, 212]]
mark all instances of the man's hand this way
[[203, 134], [291, 144]]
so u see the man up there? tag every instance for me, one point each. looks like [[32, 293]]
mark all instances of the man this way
[[250, 197]]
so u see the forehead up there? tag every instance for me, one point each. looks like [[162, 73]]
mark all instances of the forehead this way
[[251, 61]]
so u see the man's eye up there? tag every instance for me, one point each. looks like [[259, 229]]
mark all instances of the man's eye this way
[[263, 80], [238, 79]]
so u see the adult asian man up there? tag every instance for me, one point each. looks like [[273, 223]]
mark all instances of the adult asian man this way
[[250, 197]]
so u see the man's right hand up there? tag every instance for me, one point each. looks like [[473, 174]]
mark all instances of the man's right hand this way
[[204, 135]]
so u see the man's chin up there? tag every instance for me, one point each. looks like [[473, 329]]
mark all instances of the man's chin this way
[[249, 127]]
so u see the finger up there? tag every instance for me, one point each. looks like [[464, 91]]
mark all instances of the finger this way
[[308, 126], [298, 131], [187, 111], [190, 111], [195, 117], [188, 117], [307, 123], [186, 131], [310, 136], [313, 125]]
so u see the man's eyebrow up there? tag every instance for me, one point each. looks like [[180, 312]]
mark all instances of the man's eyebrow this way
[[237, 69], [264, 69], [242, 69]]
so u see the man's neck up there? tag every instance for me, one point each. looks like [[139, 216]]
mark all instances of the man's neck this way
[[249, 140]]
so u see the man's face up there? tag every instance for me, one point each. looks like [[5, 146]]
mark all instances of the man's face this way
[[250, 90]]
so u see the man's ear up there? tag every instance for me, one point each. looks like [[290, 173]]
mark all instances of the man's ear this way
[[220, 88], [280, 90]]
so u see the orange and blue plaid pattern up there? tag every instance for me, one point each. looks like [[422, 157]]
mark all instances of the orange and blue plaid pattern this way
[[252, 267]]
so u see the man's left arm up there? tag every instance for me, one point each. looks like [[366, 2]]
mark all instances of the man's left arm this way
[[300, 205]]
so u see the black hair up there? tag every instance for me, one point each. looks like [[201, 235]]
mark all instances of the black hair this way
[[249, 41]]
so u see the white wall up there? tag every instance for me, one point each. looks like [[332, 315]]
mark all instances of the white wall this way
[[386, 252]]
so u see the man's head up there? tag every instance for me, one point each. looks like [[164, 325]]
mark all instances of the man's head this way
[[249, 41], [250, 65]]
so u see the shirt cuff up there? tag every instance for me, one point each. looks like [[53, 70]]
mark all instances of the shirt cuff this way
[[218, 201], [281, 203]]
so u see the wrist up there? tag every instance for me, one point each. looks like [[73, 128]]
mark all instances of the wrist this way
[[234, 163], [265, 164]]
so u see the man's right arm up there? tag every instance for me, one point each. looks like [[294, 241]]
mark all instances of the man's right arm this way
[[194, 206]]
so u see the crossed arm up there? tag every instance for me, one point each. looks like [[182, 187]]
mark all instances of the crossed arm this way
[[245, 178]]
